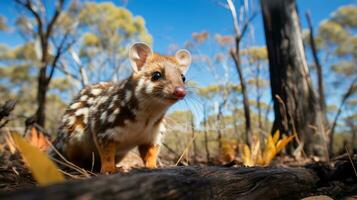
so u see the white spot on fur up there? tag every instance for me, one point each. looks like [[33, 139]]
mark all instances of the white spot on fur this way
[[103, 116], [79, 133], [110, 89], [96, 92], [122, 103], [71, 120], [90, 100], [139, 87], [112, 103], [149, 88], [127, 96], [84, 98], [64, 118], [75, 105], [103, 99], [113, 115], [79, 129], [82, 111]]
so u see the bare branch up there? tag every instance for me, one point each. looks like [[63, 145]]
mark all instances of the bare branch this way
[[54, 18], [348, 93], [61, 67], [246, 24], [234, 16], [60, 50], [28, 6]]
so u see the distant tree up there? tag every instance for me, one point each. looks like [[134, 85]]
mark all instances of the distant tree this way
[[178, 125], [240, 25], [337, 35], [295, 104], [44, 46], [257, 57], [71, 38], [105, 32]]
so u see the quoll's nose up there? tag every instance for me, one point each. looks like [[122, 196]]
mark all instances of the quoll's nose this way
[[180, 92]]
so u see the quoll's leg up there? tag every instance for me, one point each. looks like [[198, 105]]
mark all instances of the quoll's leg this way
[[149, 153], [107, 156]]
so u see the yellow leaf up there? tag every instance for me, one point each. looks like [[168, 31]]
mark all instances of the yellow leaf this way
[[270, 151], [276, 136], [255, 152], [247, 156], [283, 142], [42, 168]]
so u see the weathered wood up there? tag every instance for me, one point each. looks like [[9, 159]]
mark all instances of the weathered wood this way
[[296, 106], [205, 183]]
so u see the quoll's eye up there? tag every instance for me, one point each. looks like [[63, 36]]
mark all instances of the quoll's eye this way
[[183, 77], [156, 76]]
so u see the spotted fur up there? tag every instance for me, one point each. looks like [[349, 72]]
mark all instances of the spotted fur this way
[[122, 114]]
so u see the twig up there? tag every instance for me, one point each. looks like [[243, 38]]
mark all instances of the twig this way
[[170, 149], [68, 163], [352, 163], [286, 116], [186, 149], [5, 111]]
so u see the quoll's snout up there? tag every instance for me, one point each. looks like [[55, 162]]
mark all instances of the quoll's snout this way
[[180, 92]]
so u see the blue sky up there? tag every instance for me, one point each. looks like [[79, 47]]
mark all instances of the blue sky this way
[[173, 21]]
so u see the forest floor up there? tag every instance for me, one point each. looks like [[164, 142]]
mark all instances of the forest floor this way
[[15, 176]]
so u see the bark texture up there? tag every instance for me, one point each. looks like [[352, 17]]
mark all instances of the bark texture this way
[[206, 183], [296, 106]]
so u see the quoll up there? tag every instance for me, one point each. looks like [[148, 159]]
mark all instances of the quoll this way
[[109, 119]]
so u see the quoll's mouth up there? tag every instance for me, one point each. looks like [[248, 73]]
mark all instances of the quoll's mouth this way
[[175, 98]]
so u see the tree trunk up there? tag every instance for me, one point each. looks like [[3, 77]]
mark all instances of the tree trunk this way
[[219, 123], [41, 97], [236, 57], [194, 139], [259, 96], [205, 183], [295, 104], [206, 133]]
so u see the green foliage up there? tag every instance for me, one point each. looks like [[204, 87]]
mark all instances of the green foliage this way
[[255, 54], [346, 16], [102, 32], [344, 68], [107, 30], [337, 34], [331, 33]]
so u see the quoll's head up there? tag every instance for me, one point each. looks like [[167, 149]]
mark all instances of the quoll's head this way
[[159, 77]]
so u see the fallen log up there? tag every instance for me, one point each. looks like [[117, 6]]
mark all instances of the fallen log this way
[[212, 182]]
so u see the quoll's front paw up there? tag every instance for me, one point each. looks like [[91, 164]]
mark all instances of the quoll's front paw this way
[[149, 155], [106, 169], [151, 164]]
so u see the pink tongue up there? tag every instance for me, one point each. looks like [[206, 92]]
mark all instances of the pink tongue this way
[[180, 92]]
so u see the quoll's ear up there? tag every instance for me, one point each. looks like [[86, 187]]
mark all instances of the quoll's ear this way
[[184, 59], [138, 54]]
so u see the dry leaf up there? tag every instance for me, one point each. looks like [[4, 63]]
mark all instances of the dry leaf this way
[[283, 142], [276, 136], [42, 168]]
